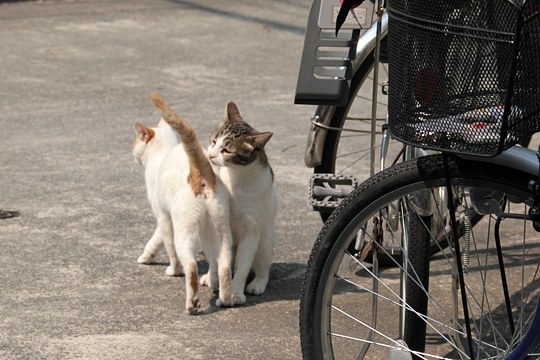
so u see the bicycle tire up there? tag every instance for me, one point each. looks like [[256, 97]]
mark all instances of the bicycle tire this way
[[317, 314]]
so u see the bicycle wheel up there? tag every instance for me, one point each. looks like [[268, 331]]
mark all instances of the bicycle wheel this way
[[351, 309]]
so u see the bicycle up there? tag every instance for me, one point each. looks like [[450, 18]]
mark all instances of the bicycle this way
[[344, 93], [479, 317]]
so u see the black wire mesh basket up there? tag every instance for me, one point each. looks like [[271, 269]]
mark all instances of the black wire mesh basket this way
[[464, 75]]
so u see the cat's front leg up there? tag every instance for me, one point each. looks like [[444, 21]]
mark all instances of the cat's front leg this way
[[247, 247], [153, 246], [262, 263], [226, 297], [224, 264]]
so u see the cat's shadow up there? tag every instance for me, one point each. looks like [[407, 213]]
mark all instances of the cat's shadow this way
[[284, 284]]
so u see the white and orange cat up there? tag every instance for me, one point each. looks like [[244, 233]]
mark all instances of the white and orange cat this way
[[238, 151], [190, 203]]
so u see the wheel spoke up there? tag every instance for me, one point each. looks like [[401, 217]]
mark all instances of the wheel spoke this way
[[407, 306], [395, 344]]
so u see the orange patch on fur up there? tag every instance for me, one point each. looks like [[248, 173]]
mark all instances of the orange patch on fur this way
[[198, 184], [193, 283], [195, 182]]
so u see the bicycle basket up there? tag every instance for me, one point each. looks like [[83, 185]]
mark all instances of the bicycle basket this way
[[464, 74]]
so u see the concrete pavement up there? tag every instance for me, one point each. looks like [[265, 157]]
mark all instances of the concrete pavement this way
[[75, 76]]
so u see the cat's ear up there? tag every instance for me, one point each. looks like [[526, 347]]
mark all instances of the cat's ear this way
[[232, 115], [144, 133], [262, 138]]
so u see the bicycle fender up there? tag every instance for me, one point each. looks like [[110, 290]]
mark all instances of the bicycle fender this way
[[317, 135]]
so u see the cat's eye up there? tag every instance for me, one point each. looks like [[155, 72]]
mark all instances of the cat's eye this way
[[225, 151], [213, 142]]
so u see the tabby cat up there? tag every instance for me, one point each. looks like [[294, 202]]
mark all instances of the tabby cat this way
[[238, 150]]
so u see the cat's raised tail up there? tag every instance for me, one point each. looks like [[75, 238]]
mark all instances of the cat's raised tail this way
[[200, 170]]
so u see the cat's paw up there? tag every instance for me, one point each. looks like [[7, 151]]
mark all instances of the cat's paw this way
[[193, 306], [145, 259], [239, 299], [226, 302], [257, 286], [173, 270], [207, 280], [204, 280]]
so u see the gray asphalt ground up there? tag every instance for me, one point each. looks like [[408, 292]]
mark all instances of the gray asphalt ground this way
[[74, 78]]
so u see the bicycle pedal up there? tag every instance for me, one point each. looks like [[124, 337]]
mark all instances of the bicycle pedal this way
[[326, 191]]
